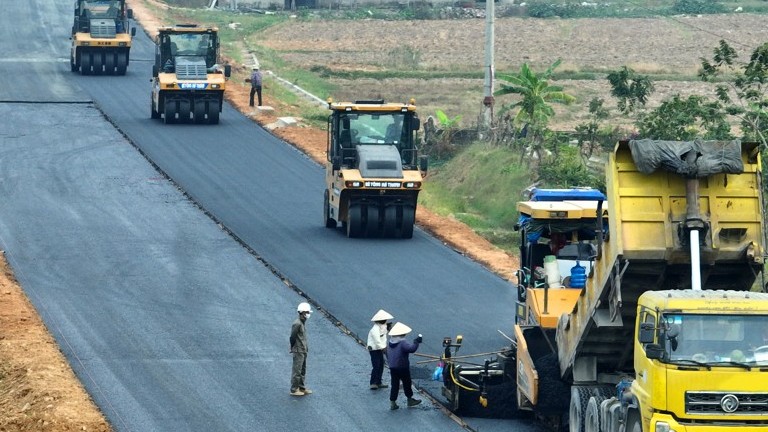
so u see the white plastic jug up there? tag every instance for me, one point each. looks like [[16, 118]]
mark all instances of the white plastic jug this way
[[552, 272]]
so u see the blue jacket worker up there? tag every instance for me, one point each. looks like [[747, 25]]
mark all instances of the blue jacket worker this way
[[398, 350]]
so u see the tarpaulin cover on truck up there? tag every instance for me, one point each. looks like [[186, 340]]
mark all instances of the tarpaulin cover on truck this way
[[712, 157]]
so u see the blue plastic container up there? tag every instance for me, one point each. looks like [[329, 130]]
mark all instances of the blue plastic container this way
[[578, 276]]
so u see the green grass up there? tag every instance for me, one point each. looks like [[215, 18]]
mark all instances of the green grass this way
[[479, 187]]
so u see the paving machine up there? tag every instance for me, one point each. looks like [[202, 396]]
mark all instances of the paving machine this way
[[101, 37], [373, 173], [187, 81]]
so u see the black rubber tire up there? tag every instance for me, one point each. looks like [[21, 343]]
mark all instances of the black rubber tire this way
[[73, 64], [390, 221], [85, 63], [199, 112], [372, 228], [592, 414], [98, 63], [122, 63], [109, 63], [406, 226], [169, 112], [354, 221], [213, 112], [184, 111], [578, 407], [329, 221]]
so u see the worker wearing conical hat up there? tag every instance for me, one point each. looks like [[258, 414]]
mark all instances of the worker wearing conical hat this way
[[377, 344], [398, 350]]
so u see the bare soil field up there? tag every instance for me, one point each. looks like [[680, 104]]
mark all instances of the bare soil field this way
[[39, 391], [668, 46]]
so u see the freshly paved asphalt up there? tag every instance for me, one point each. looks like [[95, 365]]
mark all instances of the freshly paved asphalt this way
[[136, 259]]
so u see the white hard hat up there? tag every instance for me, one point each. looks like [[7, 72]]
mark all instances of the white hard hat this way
[[399, 329], [382, 315], [304, 307]]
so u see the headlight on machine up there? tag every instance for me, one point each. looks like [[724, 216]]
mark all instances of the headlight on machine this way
[[122, 44], [353, 184], [412, 185], [663, 427], [215, 86], [86, 43]]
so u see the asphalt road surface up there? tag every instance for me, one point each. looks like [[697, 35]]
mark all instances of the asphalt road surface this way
[[166, 259]]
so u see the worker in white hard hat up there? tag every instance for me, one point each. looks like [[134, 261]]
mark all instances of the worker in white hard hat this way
[[299, 349], [398, 350], [377, 344], [255, 81]]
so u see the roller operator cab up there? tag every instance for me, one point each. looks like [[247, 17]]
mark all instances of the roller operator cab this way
[[101, 37], [187, 82], [373, 173]]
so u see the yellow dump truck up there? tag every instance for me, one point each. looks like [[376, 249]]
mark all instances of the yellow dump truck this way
[[641, 310], [188, 83], [101, 37], [373, 173]]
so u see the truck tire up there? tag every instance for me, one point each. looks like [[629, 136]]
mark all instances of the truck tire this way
[[390, 221], [199, 112], [578, 408], [85, 63], [214, 108], [329, 221], [409, 218], [122, 63], [354, 221], [109, 63]]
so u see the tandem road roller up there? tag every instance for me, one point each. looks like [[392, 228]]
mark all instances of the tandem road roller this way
[[187, 81], [373, 172]]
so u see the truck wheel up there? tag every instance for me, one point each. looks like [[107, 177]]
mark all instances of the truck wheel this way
[[169, 113], [409, 218], [329, 221], [109, 63], [579, 398], [213, 112], [592, 415], [122, 62], [184, 111], [98, 63], [372, 220], [199, 111], [390, 221], [85, 62], [354, 221]]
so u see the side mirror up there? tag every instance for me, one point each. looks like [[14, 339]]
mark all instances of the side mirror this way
[[129, 13], [227, 70], [646, 333], [416, 124], [133, 31], [423, 164], [654, 351], [154, 71], [336, 163]]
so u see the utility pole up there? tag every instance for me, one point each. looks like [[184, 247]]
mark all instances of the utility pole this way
[[490, 12]]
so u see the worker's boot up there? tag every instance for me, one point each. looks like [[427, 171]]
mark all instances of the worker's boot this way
[[413, 402], [393, 405]]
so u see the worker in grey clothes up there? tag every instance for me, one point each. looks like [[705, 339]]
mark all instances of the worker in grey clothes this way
[[398, 350], [299, 349]]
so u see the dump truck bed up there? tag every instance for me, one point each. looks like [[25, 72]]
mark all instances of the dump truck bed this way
[[647, 249]]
